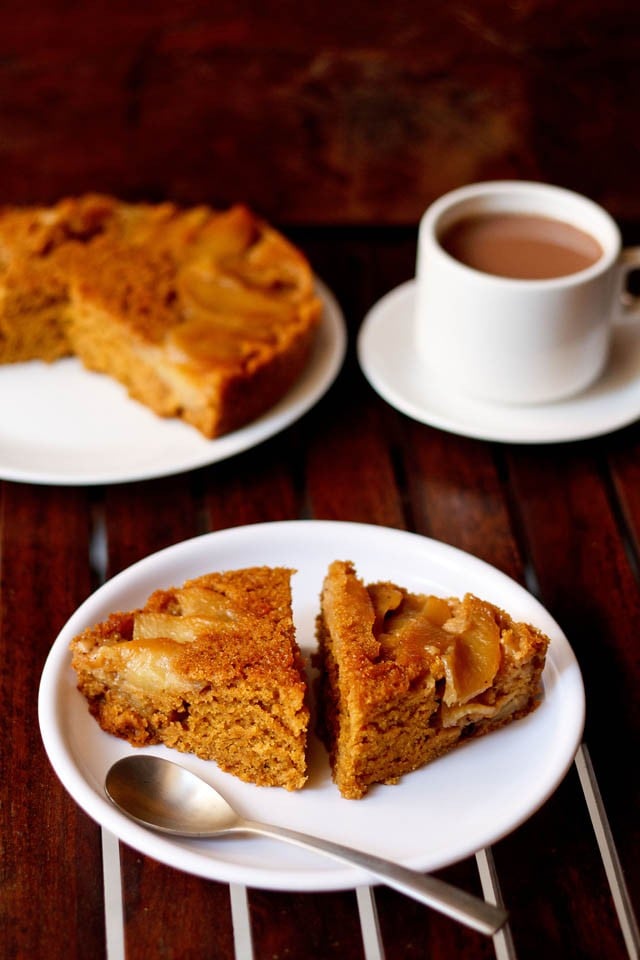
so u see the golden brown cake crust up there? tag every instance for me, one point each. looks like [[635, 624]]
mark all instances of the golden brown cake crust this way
[[404, 678], [37, 247], [210, 668], [204, 315]]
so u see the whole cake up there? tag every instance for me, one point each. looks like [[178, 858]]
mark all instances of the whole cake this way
[[210, 668], [203, 315], [405, 678]]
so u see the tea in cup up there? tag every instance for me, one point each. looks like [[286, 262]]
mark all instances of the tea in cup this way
[[518, 285]]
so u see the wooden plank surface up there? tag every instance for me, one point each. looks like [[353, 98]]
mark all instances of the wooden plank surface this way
[[563, 520], [50, 876], [315, 113]]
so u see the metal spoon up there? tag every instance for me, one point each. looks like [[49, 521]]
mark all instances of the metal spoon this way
[[167, 797]]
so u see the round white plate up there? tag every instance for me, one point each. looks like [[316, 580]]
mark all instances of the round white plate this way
[[63, 424], [433, 817], [387, 356]]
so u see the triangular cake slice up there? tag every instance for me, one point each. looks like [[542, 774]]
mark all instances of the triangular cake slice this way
[[211, 668], [405, 678]]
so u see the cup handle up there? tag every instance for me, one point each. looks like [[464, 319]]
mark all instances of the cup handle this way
[[629, 302]]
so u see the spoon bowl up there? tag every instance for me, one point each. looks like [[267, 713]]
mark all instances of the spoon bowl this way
[[167, 797], [163, 795]]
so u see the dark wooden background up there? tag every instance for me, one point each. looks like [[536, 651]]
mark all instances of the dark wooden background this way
[[340, 111], [341, 121]]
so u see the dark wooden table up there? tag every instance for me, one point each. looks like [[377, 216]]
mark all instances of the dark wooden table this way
[[562, 519]]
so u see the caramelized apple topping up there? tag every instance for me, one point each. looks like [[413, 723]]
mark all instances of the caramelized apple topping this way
[[472, 660], [196, 601], [228, 234], [202, 285], [273, 264], [385, 598], [150, 665], [205, 340], [437, 610], [198, 610], [467, 641]]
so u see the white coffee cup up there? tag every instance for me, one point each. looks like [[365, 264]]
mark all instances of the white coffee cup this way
[[518, 341]]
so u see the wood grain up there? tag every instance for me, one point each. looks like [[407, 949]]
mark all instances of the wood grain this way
[[348, 114], [563, 520], [50, 851]]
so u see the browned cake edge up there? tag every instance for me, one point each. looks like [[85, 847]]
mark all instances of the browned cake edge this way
[[381, 719], [43, 249], [236, 695]]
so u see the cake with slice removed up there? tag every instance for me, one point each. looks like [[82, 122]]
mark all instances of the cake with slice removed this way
[[211, 668], [405, 678], [203, 315], [37, 246]]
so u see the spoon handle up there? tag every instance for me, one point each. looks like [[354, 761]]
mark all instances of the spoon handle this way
[[451, 901]]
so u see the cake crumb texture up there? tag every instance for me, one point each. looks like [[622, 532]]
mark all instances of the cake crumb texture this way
[[203, 315], [211, 668], [405, 678]]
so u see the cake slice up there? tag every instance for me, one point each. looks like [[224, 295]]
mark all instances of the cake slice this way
[[204, 315], [210, 668], [405, 678], [37, 245]]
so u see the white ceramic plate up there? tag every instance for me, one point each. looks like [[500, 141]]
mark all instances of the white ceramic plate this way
[[63, 424], [433, 817], [387, 356]]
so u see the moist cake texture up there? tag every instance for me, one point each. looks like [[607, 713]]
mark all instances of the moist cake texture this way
[[210, 668], [405, 678], [204, 315], [37, 246]]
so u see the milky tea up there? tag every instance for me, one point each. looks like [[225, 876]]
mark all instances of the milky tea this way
[[520, 246], [532, 320]]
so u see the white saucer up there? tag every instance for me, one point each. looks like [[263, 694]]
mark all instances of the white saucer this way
[[387, 357]]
